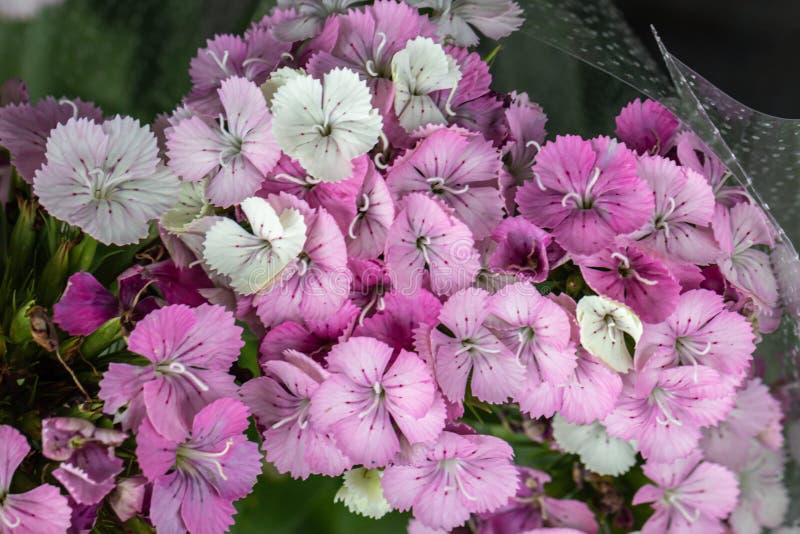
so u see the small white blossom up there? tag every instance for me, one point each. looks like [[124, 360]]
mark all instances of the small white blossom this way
[[603, 323], [362, 494], [599, 452]]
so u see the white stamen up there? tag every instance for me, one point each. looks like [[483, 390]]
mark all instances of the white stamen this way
[[180, 369], [690, 518], [8, 519], [74, 107], [469, 345], [381, 304], [209, 456], [437, 182], [380, 45], [377, 389], [361, 211], [668, 417], [447, 108], [369, 66], [303, 267], [623, 258], [423, 247], [541, 185], [378, 160], [287, 55], [570, 195], [290, 178], [644, 280], [534, 144], [251, 60], [222, 64], [671, 208]]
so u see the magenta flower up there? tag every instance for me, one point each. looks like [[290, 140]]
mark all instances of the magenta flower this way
[[236, 153], [191, 351], [458, 167], [425, 238], [525, 122], [628, 275], [689, 495], [521, 250], [647, 127], [664, 409], [458, 476], [592, 391], [739, 230], [42, 510], [281, 403], [85, 304], [24, 129], [701, 331], [587, 192], [88, 465], [466, 346], [317, 282], [369, 402], [398, 318], [198, 474], [367, 39], [374, 214], [684, 205], [537, 330]]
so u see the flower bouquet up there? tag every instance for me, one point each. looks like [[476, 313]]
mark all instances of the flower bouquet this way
[[346, 254]]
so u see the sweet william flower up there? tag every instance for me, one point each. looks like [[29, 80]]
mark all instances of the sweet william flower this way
[[190, 351], [763, 499], [689, 495], [591, 392], [525, 123], [197, 474], [603, 324], [326, 124], [236, 152], [281, 402], [309, 19], [647, 127], [361, 493], [105, 178], [458, 476], [252, 261], [369, 402], [457, 20], [374, 215], [599, 452], [587, 192], [521, 250], [42, 510]]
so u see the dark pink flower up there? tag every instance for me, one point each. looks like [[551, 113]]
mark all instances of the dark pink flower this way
[[525, 122], [398, 317], [521, 250], [647, 127]]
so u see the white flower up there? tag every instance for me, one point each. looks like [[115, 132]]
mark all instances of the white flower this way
[[325, 125], [493, 18], [763, 498], [603, 323], [362, 494], [598, 451], [253, 261], [105, 178], [421, 68], [277, 80], [192, 204]]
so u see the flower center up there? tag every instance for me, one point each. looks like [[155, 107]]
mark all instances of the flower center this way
[[300, 414], [661, 399], [423, 245], [378, 393], [361, 212], [7, 518], [233, 143], [660, 222], [585, 201], [452, 468], [674, 500], [178, 369], [625, 270], [469, 345], [438, 187], [688, 349], [186, 452], [370, 65]]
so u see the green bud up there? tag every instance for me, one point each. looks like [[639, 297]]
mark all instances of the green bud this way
[[54, 275], [20, 331], [82, 255], [574, 284], [23, 238], [102, 338]]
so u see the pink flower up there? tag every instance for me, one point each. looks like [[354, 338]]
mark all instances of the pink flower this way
[[128, 498], [701, 332], [89, 466], [42, 510], [281, 403], [693, 153], [630, 276], [525, 122], [399, 317], [237, 152], [521, 250], [459, 475], [425, 236], [367, 39], [198, 474], [684, 205], [592, 391], [537, 330], [689, 495], [458, 167], [190, 350], [763, 497], [370, 402], [587, 192], [374, 213], [647, 127], [664, 409], [467, 346], [24, 129]]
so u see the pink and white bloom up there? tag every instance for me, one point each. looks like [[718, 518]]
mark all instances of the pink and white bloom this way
[[678, 228], [647, 127], [425, 236], [458, 476], [369, 402], [763, 498], [236, 153], [42, 510], [421, 68], [190, 352], [637, 279], [309, 18], [281, 402], [457, 20], [587, 192], [105, 178], [467, 346], [689, 495], [663, 410], [458, 167], [326, 124], [701, 331], [603, 323], [521, 250], [537, 330], [197, 474]]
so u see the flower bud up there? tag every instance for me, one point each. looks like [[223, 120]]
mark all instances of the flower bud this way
[[20, 331], [101, 338], [54, 276], [82, 255], [23, 237]]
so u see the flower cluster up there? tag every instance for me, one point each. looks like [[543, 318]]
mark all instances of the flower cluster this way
[[409, 249]]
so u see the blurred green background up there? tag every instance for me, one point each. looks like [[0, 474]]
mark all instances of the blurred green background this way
[[132, 58]]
